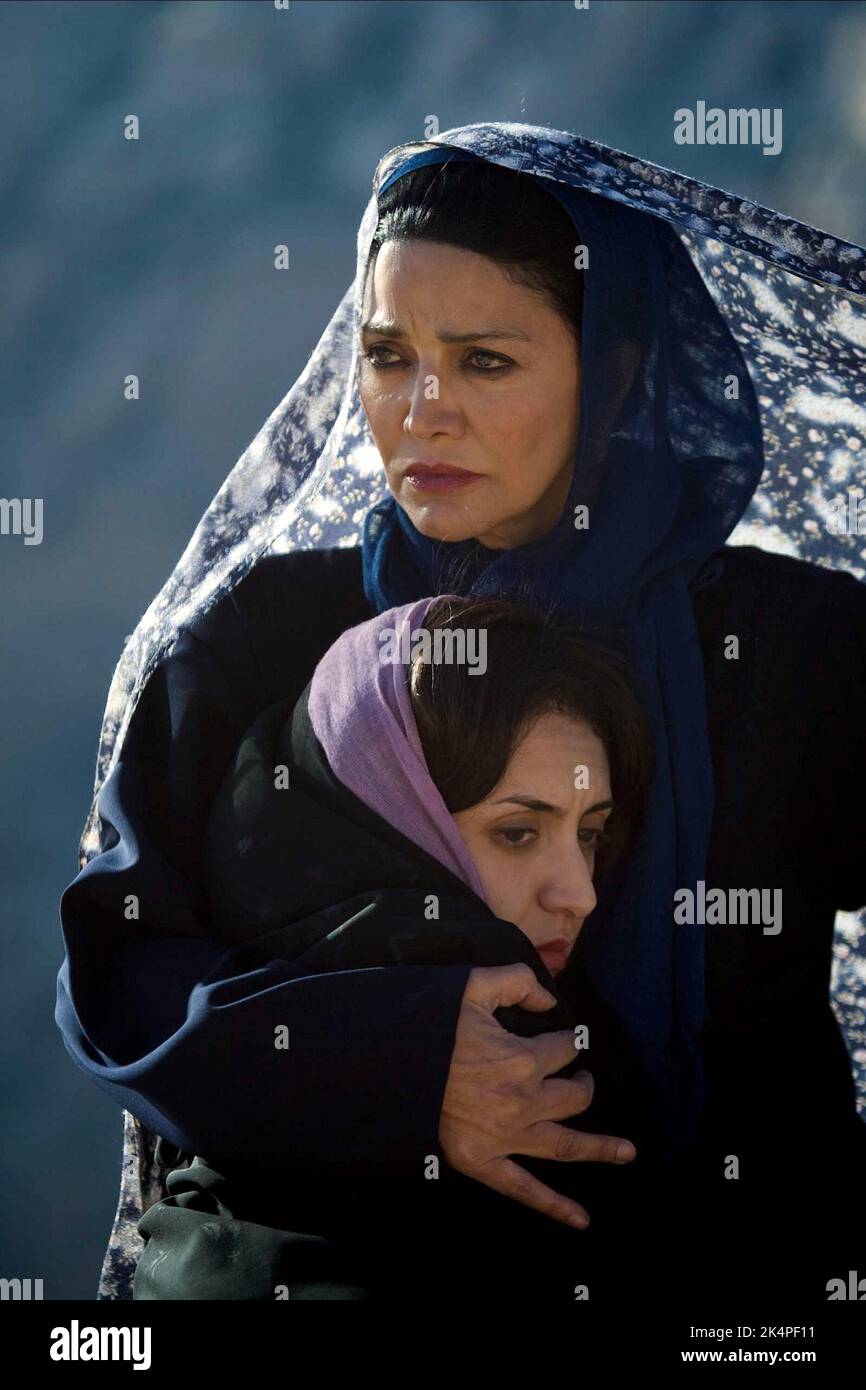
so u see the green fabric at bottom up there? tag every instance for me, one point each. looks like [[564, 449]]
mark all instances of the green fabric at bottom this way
[[196, 1249]]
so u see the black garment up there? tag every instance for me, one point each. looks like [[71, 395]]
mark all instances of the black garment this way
[[156, 1010]]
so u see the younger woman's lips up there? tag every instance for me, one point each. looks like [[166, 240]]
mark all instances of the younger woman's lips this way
[[554, 957]]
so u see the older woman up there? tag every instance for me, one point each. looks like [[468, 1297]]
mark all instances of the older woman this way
[[562, 412]]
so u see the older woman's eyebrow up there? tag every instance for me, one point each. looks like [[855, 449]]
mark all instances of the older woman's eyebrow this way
[[394, 330], [533, 804]]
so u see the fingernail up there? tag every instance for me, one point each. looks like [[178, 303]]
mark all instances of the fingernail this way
[[625, 1152], [579, 1221]]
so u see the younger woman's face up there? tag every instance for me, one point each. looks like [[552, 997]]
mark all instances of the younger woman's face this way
[[460, 366], [534, 838]]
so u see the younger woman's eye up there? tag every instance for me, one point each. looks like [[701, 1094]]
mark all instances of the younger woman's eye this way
[[597, 837], [516, 830]]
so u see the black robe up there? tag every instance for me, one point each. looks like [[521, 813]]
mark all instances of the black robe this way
[[170, 1022]]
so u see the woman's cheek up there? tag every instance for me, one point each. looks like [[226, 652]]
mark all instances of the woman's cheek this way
[[509, 893]]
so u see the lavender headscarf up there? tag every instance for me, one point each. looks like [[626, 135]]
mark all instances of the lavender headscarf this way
[[361, 713]]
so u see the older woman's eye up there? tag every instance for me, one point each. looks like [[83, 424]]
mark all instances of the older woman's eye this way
[[374, 361], [498, 363], [491, 365]]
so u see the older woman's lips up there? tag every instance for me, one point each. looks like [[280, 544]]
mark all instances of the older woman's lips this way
[[438, 477]]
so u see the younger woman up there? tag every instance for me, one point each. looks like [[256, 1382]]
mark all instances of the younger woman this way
[[446, 791]]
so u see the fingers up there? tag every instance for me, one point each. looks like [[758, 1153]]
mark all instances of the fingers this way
[[553, 1051], [493, 986], [550, 1140], [512, 1181], [559, 1100]]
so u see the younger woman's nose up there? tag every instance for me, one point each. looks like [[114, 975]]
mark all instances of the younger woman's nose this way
[[568, 888]]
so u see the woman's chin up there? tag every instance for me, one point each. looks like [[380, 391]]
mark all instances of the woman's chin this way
[[441, 521]]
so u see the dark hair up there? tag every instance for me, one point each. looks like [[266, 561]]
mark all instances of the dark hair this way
[[495, 212], [469, 725]]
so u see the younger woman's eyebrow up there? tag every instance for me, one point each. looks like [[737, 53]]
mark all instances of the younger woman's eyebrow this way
[[533, 804], [393, 330]]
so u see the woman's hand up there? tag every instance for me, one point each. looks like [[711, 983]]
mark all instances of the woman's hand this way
[[498, 1100]]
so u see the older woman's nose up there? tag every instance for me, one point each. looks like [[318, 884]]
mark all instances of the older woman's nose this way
[[430, 408]]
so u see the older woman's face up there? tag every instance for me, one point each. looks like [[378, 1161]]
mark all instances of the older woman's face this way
[[461, 367], [534, 838]]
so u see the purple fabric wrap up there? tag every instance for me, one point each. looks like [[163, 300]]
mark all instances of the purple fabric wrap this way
[[361, 713]]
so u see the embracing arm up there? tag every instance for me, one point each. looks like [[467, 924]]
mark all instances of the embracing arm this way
[[161, 1016]]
